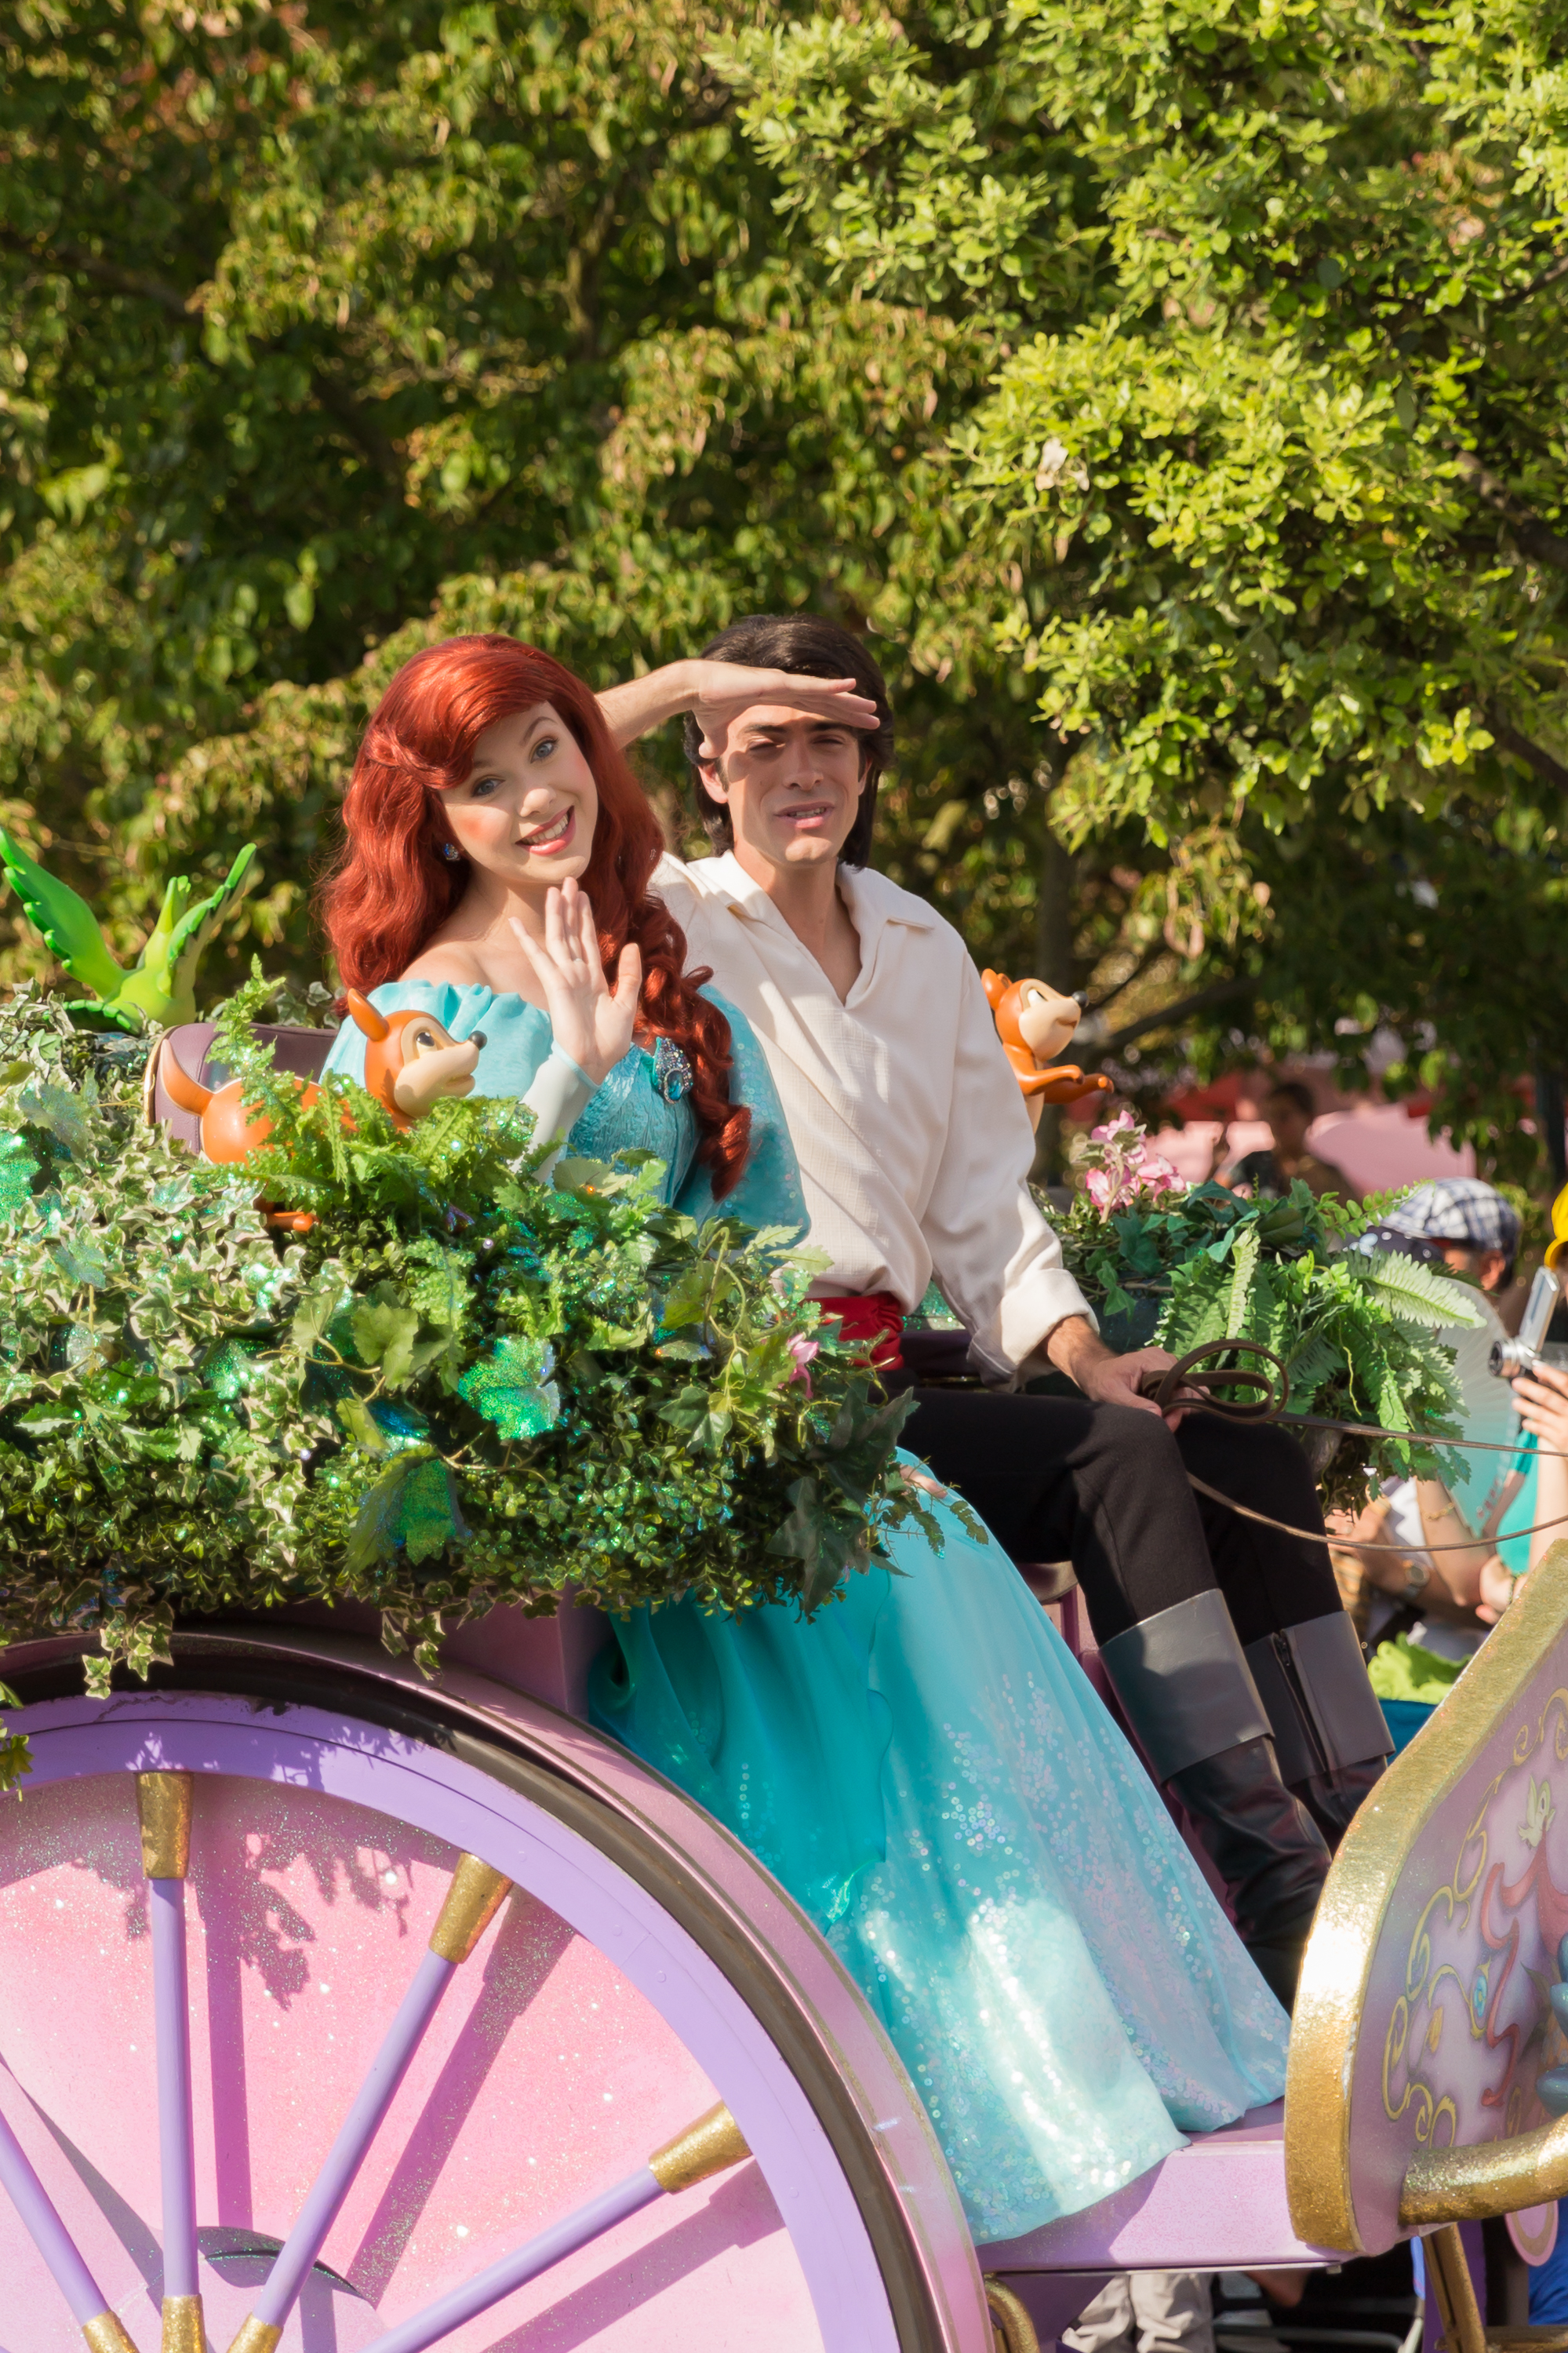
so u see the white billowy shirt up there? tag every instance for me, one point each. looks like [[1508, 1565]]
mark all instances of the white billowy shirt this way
[[913, 1141]]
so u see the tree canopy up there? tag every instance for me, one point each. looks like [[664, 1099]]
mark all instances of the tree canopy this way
[[1177, 394]]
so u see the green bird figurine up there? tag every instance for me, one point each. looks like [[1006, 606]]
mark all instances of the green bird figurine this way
[[162, 985]]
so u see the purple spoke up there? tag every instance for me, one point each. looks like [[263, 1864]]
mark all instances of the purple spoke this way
[[54, 2242], [551, 2247], [344, 2159], [163, 1806], [710, 2145], [176, 2151], [472, 1901]]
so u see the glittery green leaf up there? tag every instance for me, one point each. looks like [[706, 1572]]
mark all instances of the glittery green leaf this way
[[229, 1366], [17, 1170], [512, 1387], [384, 1425], [428, 1519]]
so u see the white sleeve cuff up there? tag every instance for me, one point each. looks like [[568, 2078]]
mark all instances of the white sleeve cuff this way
[[559, 1095], [1032, 1311]]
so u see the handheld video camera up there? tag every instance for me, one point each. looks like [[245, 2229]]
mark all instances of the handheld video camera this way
[[1522, 1353]]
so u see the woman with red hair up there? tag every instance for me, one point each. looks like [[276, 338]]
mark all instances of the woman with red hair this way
[[922, 1765], [495, 876]]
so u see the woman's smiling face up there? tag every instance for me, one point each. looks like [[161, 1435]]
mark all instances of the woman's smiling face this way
[[527, 811]]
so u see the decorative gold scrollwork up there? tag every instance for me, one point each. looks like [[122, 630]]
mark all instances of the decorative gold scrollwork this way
[[1010, 2323]]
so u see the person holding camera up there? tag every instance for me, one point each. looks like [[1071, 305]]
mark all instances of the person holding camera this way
[[1451, 1577]]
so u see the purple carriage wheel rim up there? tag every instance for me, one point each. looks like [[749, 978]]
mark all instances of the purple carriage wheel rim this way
[[872, 2286]]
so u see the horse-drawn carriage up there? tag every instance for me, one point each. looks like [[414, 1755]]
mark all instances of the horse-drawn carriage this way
[[346, 2008]]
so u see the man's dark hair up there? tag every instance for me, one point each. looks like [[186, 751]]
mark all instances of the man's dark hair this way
[[808, 648], [1293, 1092]]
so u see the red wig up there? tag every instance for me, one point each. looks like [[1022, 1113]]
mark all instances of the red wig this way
[[391, 889]]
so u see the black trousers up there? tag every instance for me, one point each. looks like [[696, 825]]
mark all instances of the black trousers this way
[[1105, 1487]]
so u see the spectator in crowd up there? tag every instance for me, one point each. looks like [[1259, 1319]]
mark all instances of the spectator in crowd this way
[[1290, 1113], [1431, 1605]]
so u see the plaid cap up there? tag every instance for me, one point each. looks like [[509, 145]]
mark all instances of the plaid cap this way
[[1459, 1209]]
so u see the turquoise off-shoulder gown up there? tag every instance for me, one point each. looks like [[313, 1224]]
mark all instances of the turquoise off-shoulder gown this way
[[927, 1770]]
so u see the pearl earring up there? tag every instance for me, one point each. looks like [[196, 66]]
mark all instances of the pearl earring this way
[[449, 849]]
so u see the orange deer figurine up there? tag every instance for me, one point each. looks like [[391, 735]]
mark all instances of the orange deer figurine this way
[[1034, 1023], [226, 1135], [410, 1060]]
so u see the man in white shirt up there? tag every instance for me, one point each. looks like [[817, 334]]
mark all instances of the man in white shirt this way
[[915, 1150]]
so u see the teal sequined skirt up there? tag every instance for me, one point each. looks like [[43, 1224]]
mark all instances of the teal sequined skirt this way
[[926, 1769]]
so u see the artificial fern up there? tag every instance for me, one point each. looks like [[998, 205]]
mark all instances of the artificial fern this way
[[1357, 1331]]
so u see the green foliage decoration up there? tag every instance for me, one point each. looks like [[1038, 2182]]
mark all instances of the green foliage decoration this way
[[1358, 1331], [460, 1385]]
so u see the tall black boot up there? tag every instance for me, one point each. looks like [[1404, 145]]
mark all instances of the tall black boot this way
[[1188, 1694], [1330, 1734]]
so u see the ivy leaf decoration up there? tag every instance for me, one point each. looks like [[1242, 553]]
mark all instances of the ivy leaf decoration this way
[[385, 1331], [512, 1387], [80, 1260], [686, 1299], [815, 1537], [317, 1311], [413, 1506], [440, 1289], [57, 1113]]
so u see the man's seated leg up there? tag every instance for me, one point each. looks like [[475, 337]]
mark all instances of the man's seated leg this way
[[1330, 1735], [1058, 1478]]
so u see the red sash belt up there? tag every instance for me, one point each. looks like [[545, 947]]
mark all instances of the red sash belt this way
[[875, 1317]]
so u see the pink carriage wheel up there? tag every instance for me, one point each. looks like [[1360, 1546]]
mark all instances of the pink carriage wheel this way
[[338, 2012]]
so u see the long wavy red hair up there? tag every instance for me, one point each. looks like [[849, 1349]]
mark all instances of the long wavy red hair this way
[[391, 889]]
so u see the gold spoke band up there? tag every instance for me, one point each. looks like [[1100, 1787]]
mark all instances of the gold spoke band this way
[[710, 2146], [257, 2336], [475, 1896], [183, 2329], [106, 2335], [163, 1802]]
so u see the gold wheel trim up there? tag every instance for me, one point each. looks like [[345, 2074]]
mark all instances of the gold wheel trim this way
[[1451, 2184]]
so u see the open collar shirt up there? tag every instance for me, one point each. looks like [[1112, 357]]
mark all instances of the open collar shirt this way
[[912, 1137]]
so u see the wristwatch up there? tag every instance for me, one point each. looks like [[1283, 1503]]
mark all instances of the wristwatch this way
[[1417, 1577]]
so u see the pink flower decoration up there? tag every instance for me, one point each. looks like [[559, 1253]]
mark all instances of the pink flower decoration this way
[[802, 1350]]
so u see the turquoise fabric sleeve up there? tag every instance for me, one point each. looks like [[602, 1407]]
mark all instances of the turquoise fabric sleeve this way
[[627, 1111], [517, 1035], [1523, 1513], [769, 1192]]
